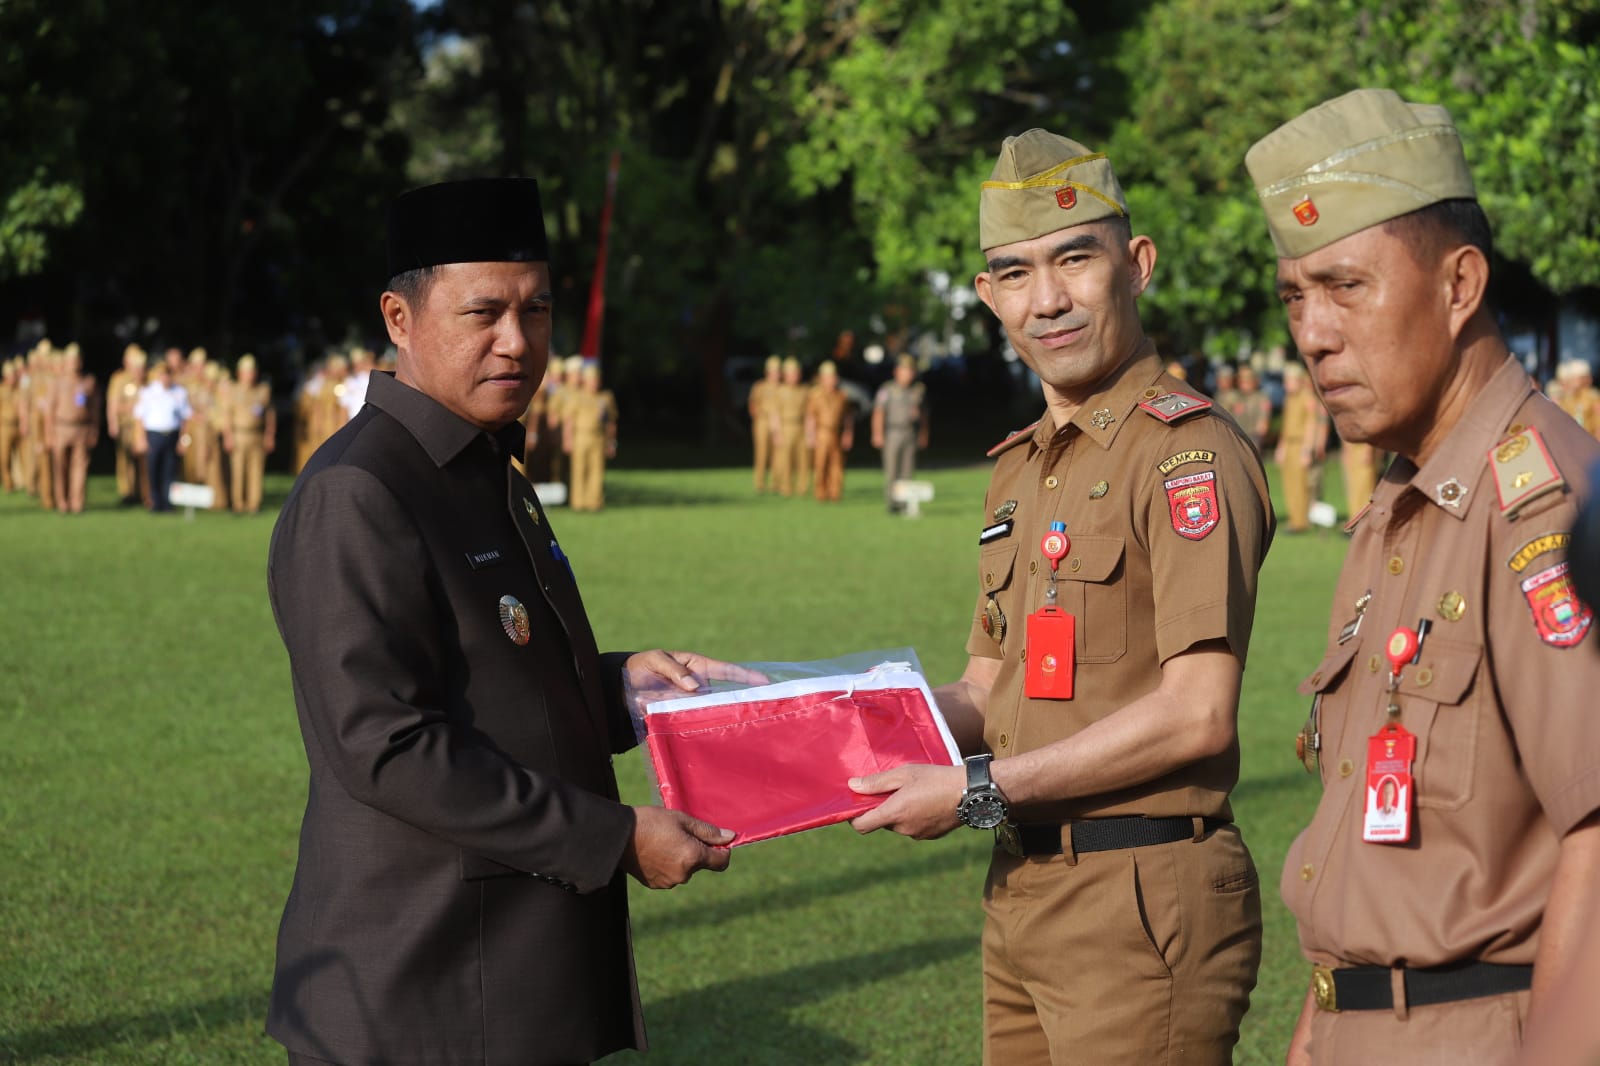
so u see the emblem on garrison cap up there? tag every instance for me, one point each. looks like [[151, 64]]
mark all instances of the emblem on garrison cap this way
[[1305, 212]]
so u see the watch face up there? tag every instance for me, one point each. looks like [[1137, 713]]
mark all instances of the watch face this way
[[983, 810]]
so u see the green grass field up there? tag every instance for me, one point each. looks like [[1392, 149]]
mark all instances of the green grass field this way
[[152, 777]]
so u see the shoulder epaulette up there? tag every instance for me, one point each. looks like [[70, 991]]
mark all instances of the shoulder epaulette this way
[[1523, 469], [1019, 435], [1172, 406]]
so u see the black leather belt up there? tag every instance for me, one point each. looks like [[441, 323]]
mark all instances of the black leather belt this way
[[1098, 834], [1371, 987]]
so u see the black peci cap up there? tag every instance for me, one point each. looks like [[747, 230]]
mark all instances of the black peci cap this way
[[485, 220]]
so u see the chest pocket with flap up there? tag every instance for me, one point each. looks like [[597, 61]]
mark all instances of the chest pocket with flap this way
[[1438, 704], [1092, 588]]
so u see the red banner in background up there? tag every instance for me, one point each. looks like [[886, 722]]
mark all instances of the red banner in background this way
[[595, 320]]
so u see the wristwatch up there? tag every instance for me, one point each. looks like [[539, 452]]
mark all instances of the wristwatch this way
[[982, 805]]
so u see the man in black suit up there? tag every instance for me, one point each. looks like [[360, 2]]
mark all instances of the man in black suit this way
[[459, 894]]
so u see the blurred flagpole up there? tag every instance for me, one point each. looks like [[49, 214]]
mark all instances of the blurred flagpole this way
[[590, 349]]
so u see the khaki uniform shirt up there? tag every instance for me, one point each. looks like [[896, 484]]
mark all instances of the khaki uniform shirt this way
[[1169, 523], [901, 405], [593, 415], [1299, 416], [791, 403], [9, 403], [245, 412], [1501, 701], [74, 402], [829, 410]]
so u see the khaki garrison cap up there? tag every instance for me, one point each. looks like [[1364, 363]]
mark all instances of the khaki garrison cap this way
[[1353, 162], [1041, 183]]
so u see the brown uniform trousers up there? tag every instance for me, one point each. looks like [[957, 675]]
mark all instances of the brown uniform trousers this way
[[1501, 700], [763, 416], [828, 412], [1299, 424], [591, 416], [789, 456], [246, 418], [9, 473], [1146, 954]]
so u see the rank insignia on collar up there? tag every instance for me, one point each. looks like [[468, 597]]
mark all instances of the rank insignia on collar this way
[[1523, 470], [533, 512], [1173, 406], [1102, 418], [1450, 493], [1005, 510], [1193, 503], [1560, 617]]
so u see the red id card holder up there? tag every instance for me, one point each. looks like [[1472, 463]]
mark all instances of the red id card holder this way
[[1050, 655], [1386, 818]]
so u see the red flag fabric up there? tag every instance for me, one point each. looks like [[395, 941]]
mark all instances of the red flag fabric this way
[[774, 760]]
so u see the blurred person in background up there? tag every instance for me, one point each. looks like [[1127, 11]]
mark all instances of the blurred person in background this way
[[900, 425], [1302, 446], [589, 429], [763, 408], [789, 458], [73, 429], [250, 434], [10, 434], [161, 411], [829, 430], [122, 392], [1255, 408]]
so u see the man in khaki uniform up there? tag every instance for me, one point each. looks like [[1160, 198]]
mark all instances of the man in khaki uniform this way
[[72, 414], [789, 459], [122, 393], [1255, 408], [1124, 920], [10, 433], [1425, 946], [1302, 445], [44, 367], [1361, 463], [249, 435], [1579, 397], [1228, 397], [900, 426], [763, 408], [589, 426], [830, 431]]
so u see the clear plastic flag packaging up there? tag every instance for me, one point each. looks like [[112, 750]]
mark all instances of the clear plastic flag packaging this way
[[770, 759]]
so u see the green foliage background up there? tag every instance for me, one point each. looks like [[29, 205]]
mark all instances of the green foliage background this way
[[790, 168]]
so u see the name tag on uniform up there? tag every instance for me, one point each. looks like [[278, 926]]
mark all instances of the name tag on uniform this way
[[479, 560], [996, 531]]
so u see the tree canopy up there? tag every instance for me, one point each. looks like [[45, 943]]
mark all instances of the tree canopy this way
[[217, 174]]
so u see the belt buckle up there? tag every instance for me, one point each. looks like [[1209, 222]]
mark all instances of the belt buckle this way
[[1008, 839], [1323, 988]]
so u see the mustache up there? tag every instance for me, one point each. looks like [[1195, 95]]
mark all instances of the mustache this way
[[1054, 325]]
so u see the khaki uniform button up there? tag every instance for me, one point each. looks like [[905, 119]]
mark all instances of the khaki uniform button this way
[[1424, 677], [1075, 566], [1051, 482], [1396, 564], [1005, 741], [1151, 393], [988, 578], [1346, 767], [1033, 567], [1024, 654], [1306, 872], [1372, 664]]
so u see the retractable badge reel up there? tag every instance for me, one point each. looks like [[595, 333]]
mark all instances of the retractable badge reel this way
[[1391, 752], [1051, 630]]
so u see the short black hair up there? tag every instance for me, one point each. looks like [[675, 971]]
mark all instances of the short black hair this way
[[1429, 232], [412, 285]]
